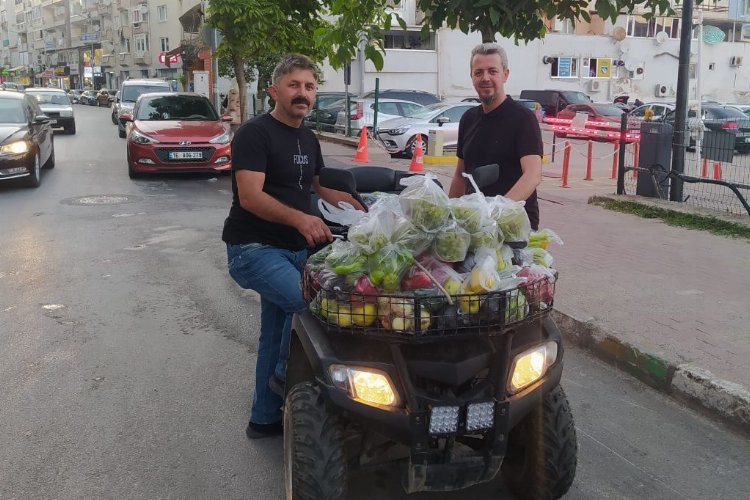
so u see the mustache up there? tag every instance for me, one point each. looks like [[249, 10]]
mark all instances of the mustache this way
[[300, 100]]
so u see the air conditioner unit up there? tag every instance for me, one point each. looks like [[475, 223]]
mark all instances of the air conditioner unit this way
[[662, 90], [595, 85], [638, 72], [735, 61]]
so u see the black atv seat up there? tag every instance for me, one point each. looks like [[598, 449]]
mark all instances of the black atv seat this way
[[372, 179]]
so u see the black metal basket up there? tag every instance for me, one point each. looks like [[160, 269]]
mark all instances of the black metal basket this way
[[427, 314]]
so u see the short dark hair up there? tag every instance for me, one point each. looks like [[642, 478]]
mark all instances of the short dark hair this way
[[291, 62], [488, 49]]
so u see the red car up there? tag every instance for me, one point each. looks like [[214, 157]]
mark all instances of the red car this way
[[176, 132]]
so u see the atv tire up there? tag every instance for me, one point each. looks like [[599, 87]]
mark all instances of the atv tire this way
[[314, 459], [543, 450]]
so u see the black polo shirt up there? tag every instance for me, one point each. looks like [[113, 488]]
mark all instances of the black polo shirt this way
[[503, 136]]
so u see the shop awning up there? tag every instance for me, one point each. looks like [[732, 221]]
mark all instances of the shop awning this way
[[47, 73], [18, 68]]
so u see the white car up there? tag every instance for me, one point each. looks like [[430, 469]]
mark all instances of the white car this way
[[56, 104], [362, 113], [399, 135]]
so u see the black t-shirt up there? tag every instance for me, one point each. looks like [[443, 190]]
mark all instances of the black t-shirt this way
[[290, 157], [503, 136]]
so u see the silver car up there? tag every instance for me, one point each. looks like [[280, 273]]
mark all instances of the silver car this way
[[363, 113], [56, 104], [399, 135]]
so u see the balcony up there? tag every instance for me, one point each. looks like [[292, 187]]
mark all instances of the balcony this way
[[124, 59], [142, 58]]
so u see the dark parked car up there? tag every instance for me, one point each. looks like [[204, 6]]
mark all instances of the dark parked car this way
[[326, 109], [418, 96], [88, 97], [26, 143], [721, 118], [554, 101]]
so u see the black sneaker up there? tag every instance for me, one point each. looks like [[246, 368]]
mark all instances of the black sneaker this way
[[260, 431], [276, 385]]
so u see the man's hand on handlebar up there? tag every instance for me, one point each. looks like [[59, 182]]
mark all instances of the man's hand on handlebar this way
[[314, 229]]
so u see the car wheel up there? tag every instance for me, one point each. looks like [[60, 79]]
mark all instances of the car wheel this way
[[114, 119], [51, 160], [121, 132], [543, 450], [131, 171], [71, 129], [314, 457], [412, 146], [36, 173]]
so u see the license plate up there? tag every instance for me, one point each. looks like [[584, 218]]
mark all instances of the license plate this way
[[185, 155], [53, 122]]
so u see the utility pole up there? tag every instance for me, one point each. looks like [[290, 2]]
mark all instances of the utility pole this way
[[683, 79]]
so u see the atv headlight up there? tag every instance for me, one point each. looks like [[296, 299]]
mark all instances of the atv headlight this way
[[15, 148], [221, 139], [531, 365], [366, 385], [139, 138]]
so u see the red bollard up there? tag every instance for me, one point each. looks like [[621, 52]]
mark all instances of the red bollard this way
[[704, 169], [566, 164], [615, 157], [635, 160], [717, 171], [588, 163]]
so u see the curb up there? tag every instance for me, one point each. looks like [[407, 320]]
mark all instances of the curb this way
[[727, 401], [337, 138]]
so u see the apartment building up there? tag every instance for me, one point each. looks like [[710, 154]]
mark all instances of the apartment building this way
[[634, 56], [94, 43]]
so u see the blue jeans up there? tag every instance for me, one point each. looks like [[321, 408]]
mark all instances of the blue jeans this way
[[275, 273]]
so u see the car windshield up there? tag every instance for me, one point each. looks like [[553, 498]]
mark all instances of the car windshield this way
[[427, 111], [608, 110], [176, 107], [11, 111], [50, 97], [726, 113], [131, 92]]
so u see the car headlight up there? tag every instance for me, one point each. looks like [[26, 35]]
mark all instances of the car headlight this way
[[222, 139], [369, 386], [66, 112], [399, 130], [531, 365], [15, 148], [139, 138]]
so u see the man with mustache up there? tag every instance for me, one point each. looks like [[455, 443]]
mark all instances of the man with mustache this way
[[275, 162], [499, 131]]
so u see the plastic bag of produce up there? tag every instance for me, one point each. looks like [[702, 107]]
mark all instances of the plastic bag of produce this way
[[345, 214], [539, 256], [452, 243], [397, 314], [538, 289], [387, 267], [512, 219], [542, 239], [407, 235], [345, 258], [424, 203], [316, 261], [504, 256], [470, 211], [443, 273], [372, 232], [486, 236]]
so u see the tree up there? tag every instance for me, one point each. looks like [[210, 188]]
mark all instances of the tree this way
[[256, 30]]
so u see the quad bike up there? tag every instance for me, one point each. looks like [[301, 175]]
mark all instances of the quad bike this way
[[453, 402]]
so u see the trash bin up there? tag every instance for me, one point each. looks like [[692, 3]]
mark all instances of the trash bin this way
[[656, 152]]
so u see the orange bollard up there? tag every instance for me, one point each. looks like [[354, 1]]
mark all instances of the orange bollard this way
[[361, 155], [417, 159], [588, 162], [615, 157], [566, 164], [717, 171], [704, 169], [635, 160]]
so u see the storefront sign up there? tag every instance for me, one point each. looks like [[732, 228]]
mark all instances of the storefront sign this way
[[62, 70], [172, 59]]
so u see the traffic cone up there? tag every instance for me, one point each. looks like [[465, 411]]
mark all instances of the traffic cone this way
[[361, 155], [717, 171], [417, 159]]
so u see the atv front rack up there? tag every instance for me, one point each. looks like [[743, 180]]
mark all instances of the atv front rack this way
[[427, 314]]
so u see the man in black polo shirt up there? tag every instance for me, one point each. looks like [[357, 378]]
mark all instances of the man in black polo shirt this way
[[499, 131], [275, 161]]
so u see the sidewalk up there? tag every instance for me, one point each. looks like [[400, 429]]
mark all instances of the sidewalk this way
[[669, 305]]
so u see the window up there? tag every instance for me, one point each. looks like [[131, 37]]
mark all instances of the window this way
[[388, 108], [126, 45], [454, 114], [640, 27], [164, 44], [410, 40], [564, 67], [136, 15], [125, 17], [596, 67], [161, 13], [141, 44]]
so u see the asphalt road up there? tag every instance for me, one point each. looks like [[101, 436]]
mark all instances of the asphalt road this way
[[126, 356]]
